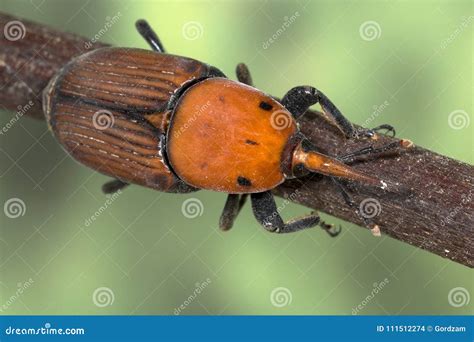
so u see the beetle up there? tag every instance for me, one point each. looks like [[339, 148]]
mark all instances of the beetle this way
[[175, 124]]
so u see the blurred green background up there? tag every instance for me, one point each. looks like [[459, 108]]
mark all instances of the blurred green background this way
[[143, 256]]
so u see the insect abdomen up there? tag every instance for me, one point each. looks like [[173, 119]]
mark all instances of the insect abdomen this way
[[98, 105]]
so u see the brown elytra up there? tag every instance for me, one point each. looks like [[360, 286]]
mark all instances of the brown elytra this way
[[113, 123], [130, 79], [226, 136]]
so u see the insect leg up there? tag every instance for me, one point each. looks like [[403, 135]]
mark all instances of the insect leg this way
[[368, 151], [349, 201], [243, 74], [149, 35], [347, 198], [329, 228], [266, 213], [297, 101], [113, 186], [387, 128], [231, 209]]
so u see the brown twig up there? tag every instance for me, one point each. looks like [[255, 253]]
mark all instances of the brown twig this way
[[431, 207]]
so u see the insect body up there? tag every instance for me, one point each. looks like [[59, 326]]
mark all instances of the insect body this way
[[175, 124]]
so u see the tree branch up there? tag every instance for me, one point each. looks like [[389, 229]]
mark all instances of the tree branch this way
[[431, 208]]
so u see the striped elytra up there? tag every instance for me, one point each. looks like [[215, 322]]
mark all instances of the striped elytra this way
[[108, 108], [129, 79]]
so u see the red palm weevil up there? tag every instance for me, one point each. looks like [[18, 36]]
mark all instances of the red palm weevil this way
[[175, 124]]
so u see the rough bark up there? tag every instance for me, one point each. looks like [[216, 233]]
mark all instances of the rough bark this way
[[431, 207]]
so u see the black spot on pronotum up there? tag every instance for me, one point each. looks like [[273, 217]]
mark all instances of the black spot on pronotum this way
[[243, 181], [265, 105], [251, 142]]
